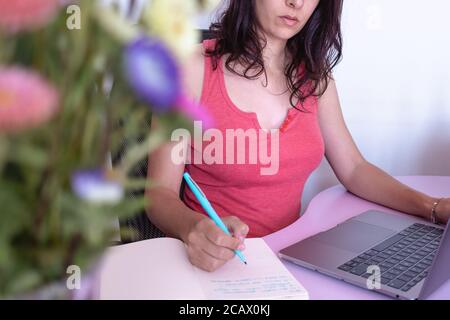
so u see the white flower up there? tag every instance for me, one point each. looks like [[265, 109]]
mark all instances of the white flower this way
[[93, 186], [170, 20]]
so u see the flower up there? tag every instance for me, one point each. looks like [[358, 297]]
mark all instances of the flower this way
[[26, 99], [94, 186], [19, 15], [122, 29], [194, 111], [173, 26], [153, 73]]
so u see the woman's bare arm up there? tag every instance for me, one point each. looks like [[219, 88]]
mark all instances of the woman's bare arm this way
[[358, 175]]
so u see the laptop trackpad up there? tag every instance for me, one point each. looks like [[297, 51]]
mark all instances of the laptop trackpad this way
[[354, 236]]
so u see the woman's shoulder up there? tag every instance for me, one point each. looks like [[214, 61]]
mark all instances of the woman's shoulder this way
[[192, 71]]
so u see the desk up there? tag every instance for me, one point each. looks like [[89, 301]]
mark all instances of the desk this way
[[325, 211]]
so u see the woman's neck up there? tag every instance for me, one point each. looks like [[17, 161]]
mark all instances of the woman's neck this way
[[275, 60], [274, 56]]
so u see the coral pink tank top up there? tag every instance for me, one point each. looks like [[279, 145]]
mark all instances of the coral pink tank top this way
[[265, 194]]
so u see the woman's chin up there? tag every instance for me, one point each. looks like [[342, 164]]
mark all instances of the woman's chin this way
[[285, 35]]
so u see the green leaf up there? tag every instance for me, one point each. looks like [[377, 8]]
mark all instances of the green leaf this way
[[30, 155], [25, 282]]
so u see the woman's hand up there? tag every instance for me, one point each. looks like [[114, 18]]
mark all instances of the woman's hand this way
[[209, 248], [443, 211]]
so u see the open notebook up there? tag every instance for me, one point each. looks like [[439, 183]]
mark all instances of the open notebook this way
[[159, 269]]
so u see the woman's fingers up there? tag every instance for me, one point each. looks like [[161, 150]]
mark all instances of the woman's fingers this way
[[237, 228], [216, 251], [203, 260], [221, 239], [209, 247]]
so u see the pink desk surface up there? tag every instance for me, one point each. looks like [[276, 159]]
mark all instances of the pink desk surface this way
[[325, 211]]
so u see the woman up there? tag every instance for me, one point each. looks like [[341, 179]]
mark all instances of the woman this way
[[270, 67]]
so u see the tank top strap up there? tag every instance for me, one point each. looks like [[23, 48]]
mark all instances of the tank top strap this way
[[211, 76]]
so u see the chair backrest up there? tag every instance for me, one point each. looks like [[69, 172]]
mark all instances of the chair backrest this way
[[140, 224]]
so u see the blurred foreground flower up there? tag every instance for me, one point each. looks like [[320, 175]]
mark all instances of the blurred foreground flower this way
[[171, 21], [195, 111], [122, 29], [19, 15], [94, 186], [153, 73], [26, 99]]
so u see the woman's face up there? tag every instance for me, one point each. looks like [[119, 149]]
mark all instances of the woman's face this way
[[283, 19]]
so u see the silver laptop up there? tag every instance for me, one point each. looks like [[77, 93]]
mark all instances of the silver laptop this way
[[400, 256]]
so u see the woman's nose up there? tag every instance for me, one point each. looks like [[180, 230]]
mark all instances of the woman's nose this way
[[295, 3]]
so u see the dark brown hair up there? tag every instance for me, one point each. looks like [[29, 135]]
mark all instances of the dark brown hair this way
[[317, 47]]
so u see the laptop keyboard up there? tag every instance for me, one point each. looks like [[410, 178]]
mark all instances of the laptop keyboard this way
[[403, 259]]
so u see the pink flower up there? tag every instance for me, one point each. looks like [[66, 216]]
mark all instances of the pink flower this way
[[194, 111], [18, 15], [26, 99]]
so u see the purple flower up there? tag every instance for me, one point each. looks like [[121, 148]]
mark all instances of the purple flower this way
[[153, 73], [94, 186]]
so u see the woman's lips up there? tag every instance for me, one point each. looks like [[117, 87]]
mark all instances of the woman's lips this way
[[290, 21]]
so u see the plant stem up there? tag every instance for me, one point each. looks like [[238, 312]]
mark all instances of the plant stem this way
[[74, 244], [4, 151], [139, 151]]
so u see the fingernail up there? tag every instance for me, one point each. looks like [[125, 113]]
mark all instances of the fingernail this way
[[241, 247]]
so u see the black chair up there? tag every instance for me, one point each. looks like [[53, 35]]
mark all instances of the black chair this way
[[140, 225]]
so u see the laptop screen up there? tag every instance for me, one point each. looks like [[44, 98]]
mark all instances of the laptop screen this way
[[439, 271]]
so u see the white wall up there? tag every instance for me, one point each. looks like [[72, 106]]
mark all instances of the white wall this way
[[394, 86], [204, 20]]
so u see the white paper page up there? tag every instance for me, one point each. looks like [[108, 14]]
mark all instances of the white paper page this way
[[264, 277], [156, 269]]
